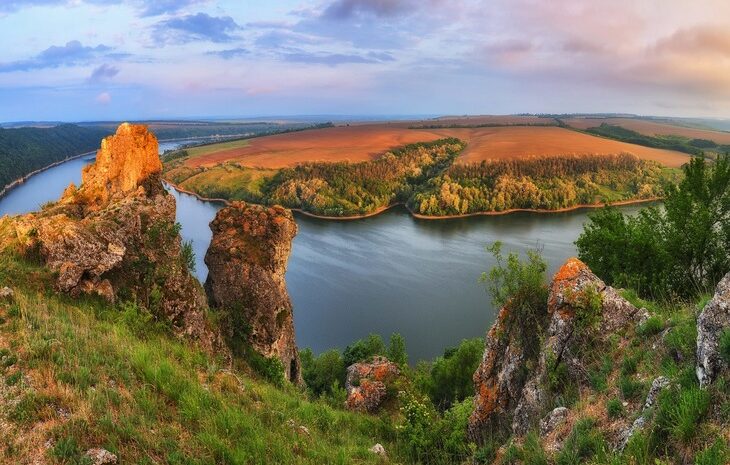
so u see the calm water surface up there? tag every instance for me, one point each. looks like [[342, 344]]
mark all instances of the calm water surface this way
[[389, 273]]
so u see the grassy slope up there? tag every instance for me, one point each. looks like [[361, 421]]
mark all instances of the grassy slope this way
[[84, 375]]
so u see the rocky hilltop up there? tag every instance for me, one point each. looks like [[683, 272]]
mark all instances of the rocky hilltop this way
[[513, 385], [246, 266], [116, 236]]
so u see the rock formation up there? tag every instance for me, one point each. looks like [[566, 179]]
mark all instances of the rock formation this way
[[116, 235], [508, 388], [367, 383], [247, 261], [713, 320]]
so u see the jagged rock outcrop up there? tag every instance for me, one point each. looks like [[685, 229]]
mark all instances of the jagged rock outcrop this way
[[507, 389], [116, 236], [247, 262], [367, 383], [657, 386], [713, 320]]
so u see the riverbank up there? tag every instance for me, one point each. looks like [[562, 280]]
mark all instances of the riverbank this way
[[18, 182], [428, 217]]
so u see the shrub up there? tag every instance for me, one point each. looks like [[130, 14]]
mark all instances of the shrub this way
[[188, 256], [323, 374], [614, 408], [363, 349], [416, 429], [397, 350], [450, 376]]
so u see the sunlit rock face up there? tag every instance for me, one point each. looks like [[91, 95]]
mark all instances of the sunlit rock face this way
[[247, 262]]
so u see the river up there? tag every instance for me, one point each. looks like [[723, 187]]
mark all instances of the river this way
[[384, 274]]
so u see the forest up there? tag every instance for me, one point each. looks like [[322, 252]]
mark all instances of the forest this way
[[24, 150], [540, 183]]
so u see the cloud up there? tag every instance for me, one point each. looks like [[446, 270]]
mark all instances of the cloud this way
[[333, 59], [345, 9], [230, 53], [73, 53], [145, 7], [703, 40], [103, 73], [198, 27], [103, 98]]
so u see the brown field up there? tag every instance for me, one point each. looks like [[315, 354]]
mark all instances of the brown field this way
[[652, 128], [366, 142]]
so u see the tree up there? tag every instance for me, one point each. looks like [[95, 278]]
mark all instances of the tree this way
[[397, 350]]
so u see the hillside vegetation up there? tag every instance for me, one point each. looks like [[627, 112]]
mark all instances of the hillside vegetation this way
[[24, 150], [425, 177]]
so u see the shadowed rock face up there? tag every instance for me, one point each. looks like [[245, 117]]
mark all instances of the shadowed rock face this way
[[116, 235], [247, 262], [510, 389], [713, 320]]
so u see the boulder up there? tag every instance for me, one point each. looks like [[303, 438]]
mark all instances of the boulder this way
[[553, 420], [712, 322], [7, 294], [367, 384], [101, 457], [378, 449], [247, 262], [657, 386]]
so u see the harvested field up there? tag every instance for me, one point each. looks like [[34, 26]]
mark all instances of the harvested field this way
[[342, 143], [368, 141], [510, 142], [484, 120], [652, 128]]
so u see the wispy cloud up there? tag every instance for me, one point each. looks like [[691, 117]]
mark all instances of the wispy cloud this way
[[73, 53], [103, 73], [198, 27], [334, 59], [145, 7], [231, 53]]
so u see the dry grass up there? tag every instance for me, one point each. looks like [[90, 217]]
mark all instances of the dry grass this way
[[652, 128]]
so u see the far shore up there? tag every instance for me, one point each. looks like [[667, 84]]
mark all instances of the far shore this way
[[427, 217]]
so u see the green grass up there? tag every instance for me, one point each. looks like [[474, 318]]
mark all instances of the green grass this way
[[213, 148], [157, 399]]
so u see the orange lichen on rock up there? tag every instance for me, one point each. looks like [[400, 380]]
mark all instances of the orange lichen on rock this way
[[366, 383]]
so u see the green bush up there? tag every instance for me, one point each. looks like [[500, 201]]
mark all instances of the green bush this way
[[397, 350], [323, 374], [450, 376], [188, 256], [363, 349], [652, 251], [614, 408]]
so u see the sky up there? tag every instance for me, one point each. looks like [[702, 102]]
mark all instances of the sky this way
[[83, 60]]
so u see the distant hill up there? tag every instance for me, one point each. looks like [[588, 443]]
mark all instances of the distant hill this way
[[24, 150]]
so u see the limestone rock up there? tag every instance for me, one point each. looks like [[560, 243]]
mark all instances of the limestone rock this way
[[571, 285], [126, 160], [247, 262], [378, 449], [509, 383], [367, 383], [7, 293], [116, 233], [713, 320], [657, 386], [498, 381], [101, 457], [553, 420]]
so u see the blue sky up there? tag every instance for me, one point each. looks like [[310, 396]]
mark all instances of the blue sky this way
[[131, 59]]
